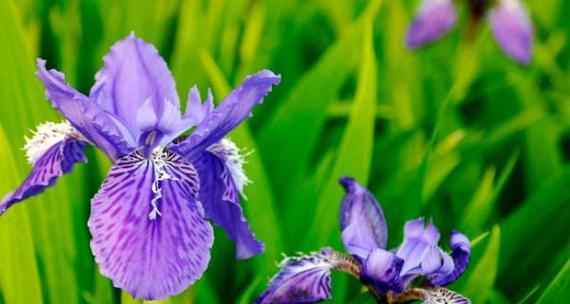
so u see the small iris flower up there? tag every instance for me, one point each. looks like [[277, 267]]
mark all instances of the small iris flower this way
[[148, 221], [510, 24], [389, 274]]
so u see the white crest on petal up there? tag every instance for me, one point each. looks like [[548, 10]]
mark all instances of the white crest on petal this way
[[46, 135], [444, 295], [159, 160], [228, 150]]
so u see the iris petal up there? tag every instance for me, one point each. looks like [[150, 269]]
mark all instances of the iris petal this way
[[219, 195], [229, 114], [512, 29], [150, 258], [93, 122], [382, 270], [56, 161], [434, 19], [461, 253], [134, 73], [418, 239], [362, 220], [306, 279]]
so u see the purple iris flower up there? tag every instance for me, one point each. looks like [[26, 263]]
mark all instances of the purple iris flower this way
[[149, 219], [510, 24], [389, 274]]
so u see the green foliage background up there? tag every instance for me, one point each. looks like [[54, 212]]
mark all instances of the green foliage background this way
[[456, 132]]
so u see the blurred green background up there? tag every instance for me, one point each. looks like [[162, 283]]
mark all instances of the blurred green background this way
[[456, 132]]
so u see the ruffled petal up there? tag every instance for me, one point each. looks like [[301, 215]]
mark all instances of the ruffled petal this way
[[219, 194], [418, 239], [362, 220], [306, 279], [460, 254], [435, 18], [381, 269], [52, 160], [229, 114], [134, 73], [149, 232], [101, 128], [512, 29], [443, 295]]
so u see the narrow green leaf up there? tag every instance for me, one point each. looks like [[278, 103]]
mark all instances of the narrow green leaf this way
[[558, 291], [480, 281], [308, 101], [19, 272], [355, 152]]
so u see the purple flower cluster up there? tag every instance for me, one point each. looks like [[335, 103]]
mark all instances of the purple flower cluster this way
[[510, 24], [387, 273], [148, 221]]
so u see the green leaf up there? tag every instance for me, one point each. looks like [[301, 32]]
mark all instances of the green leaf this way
[[355, 152], [307, 102], [558, 291], [19, 274], [480, 279]]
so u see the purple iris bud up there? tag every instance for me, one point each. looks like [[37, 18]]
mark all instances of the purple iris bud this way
[[434, 19], [149, 221], [512, 29], [362, 220]]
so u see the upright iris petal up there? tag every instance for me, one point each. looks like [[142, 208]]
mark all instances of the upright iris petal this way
[[228, 115], [512, 29], [136, 80], [149, 227], [435, 18], [362, 220]]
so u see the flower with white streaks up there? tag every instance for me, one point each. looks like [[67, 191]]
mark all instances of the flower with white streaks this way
[[148, 221]]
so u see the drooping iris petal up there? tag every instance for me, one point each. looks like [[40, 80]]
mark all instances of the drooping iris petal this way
[[434, 19], [150, 258], [443, 295], [512, 29], [461, 253], [229, 114], [381, 269], [362, 220], [93, 122], [418, 239], [135, 73], [55, 161], [219, 194], [306, 279]]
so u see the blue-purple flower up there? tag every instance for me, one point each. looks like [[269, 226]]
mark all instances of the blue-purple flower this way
[[389, 274], [148, 221], [510, 24]]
